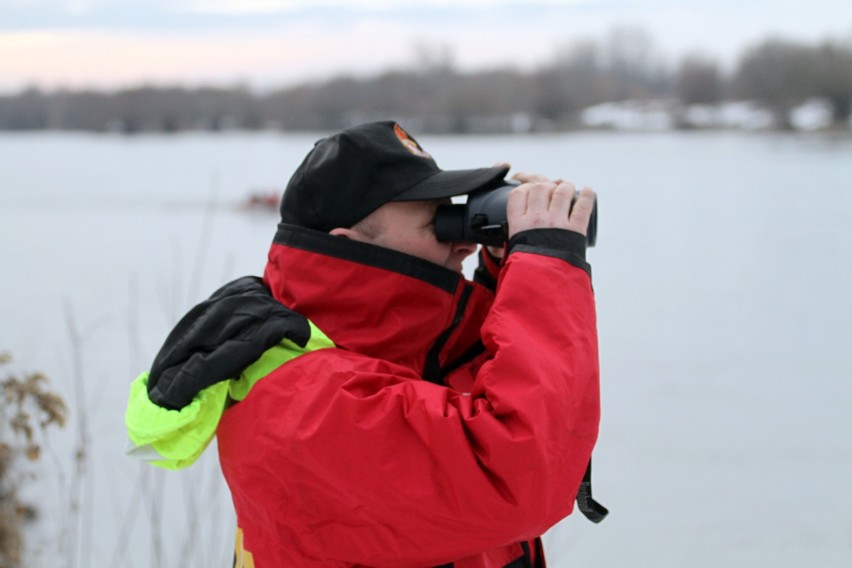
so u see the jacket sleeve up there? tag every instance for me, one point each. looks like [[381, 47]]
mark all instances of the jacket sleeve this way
[[376, 467], [487, 271]]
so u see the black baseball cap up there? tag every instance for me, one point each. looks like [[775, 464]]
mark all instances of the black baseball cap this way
[[352, 173]]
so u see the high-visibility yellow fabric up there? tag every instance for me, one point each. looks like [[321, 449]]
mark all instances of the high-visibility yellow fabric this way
[[174, 439], [242, 557]]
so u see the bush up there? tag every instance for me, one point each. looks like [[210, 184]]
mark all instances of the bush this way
[[27, 409]]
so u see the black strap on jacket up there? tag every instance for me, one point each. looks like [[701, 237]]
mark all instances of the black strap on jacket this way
[[590, 508], [523, 561]]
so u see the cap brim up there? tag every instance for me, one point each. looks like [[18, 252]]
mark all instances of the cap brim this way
[[449, 183]]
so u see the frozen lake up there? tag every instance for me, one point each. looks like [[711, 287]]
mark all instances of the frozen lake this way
[[723, 275]]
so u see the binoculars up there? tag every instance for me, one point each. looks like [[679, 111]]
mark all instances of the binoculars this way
[[483, 218]]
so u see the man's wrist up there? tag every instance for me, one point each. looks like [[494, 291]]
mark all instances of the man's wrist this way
[[552, 238], [559, 243]]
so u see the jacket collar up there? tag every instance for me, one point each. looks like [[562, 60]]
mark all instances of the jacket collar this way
[[376, 301]]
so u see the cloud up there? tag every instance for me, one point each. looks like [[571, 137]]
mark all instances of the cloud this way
[[104, 59], [177, 14], [270, 42], [237, 7], [272, 6]]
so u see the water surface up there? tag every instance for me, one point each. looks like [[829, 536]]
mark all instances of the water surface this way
[[723, 274]]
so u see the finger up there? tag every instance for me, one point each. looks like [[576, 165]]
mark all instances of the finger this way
[[516, 206], [560, 203], [496, 252], [539, 197], [582, 211], [526, 177], [506, 165]]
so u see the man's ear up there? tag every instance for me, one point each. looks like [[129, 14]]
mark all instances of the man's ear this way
[[346, 234]]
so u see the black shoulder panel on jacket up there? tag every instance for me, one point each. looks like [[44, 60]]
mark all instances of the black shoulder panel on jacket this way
[[219, 338]]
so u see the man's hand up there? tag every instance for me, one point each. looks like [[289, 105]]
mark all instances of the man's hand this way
[[539, 203], [543, 203]]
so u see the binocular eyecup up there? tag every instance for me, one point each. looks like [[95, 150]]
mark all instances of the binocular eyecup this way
[[483, 218]]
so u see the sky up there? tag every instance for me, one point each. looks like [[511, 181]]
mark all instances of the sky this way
[[265, 44]]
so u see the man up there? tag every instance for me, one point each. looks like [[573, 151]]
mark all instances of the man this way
[[379, 409]]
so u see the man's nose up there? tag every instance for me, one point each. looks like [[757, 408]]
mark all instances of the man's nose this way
[[464, 249]]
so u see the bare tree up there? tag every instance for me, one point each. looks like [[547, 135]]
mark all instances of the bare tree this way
[[779, 73], [634, 66], [698, 80], [834, 78], [576, 78], [431, 94]]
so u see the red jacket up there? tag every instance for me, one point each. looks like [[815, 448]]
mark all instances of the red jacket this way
[[447, 425]]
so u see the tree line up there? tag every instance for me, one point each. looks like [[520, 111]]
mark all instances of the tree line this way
[[777, 74]]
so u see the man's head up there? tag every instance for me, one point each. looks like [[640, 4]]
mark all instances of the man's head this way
[[349, 175], [409, 227]]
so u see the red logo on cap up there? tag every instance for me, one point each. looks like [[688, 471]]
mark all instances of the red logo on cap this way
[[409, 142]]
